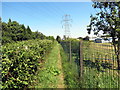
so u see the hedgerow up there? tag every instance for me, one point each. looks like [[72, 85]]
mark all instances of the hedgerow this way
[[20, 62]]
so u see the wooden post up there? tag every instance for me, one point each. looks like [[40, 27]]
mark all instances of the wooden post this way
[[81, 58], [70, 52], [118, 55], [118, 61]]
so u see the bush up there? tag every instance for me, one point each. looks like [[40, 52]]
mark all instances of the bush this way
[[20, 62]]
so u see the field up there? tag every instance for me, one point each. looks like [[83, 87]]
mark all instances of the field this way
[[100, 66]]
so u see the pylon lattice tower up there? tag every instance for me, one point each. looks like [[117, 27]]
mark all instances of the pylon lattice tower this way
[[66, 25]]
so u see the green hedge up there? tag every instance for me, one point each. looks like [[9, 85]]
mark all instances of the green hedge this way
[[20, 62]]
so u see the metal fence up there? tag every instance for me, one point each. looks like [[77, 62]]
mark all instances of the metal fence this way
[[96, 63], [99, 65]]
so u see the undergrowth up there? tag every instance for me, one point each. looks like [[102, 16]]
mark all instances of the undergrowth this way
[[70, 70], [47, 75]]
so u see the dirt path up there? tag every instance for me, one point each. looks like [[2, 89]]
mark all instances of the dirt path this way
[[61, 76]]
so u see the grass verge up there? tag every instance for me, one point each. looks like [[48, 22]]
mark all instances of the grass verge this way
[[70, 71], [47, 76]]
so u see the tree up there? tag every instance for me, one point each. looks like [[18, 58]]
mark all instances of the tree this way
[[23, 27], [79, 38], [58, 38], [29, 30], [50, 38], [0, 30], [108, 21], [86, 38], [64, 37], [13, 31], [9, 20], [38, 35]]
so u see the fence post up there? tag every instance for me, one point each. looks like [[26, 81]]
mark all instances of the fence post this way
[[81, 58], [70, 52]]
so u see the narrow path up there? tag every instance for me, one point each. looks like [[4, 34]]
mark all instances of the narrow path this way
[[46, 77], [61, 76]]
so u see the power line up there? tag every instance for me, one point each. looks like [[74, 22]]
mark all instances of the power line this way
[[57, 9], [66, 25], [48, 12]]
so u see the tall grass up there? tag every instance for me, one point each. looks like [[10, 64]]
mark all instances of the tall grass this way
[[99, 66], [70, 70]]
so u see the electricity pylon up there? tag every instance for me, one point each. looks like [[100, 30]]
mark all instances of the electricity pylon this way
[[66, 25]]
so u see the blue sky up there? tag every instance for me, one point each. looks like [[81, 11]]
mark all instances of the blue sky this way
[[46, 17]]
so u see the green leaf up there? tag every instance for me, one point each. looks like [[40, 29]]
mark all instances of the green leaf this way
[[24, 82]]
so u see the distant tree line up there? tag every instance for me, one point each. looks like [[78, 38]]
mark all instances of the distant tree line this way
[[13, 31], [58, 38]]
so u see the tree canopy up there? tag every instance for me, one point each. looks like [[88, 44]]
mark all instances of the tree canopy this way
[[13, 31], [58, 38], [107, 19]]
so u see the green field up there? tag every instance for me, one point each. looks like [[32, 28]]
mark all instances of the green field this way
[[100, 66]]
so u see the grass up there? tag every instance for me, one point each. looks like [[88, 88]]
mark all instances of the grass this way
[[95, 79], [47, 76], [99, 63], [0, 75], [102, 52], [70, 71], [99, 66], [97, 74]]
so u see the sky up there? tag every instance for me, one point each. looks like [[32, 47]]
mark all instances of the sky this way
[[46, 17]]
